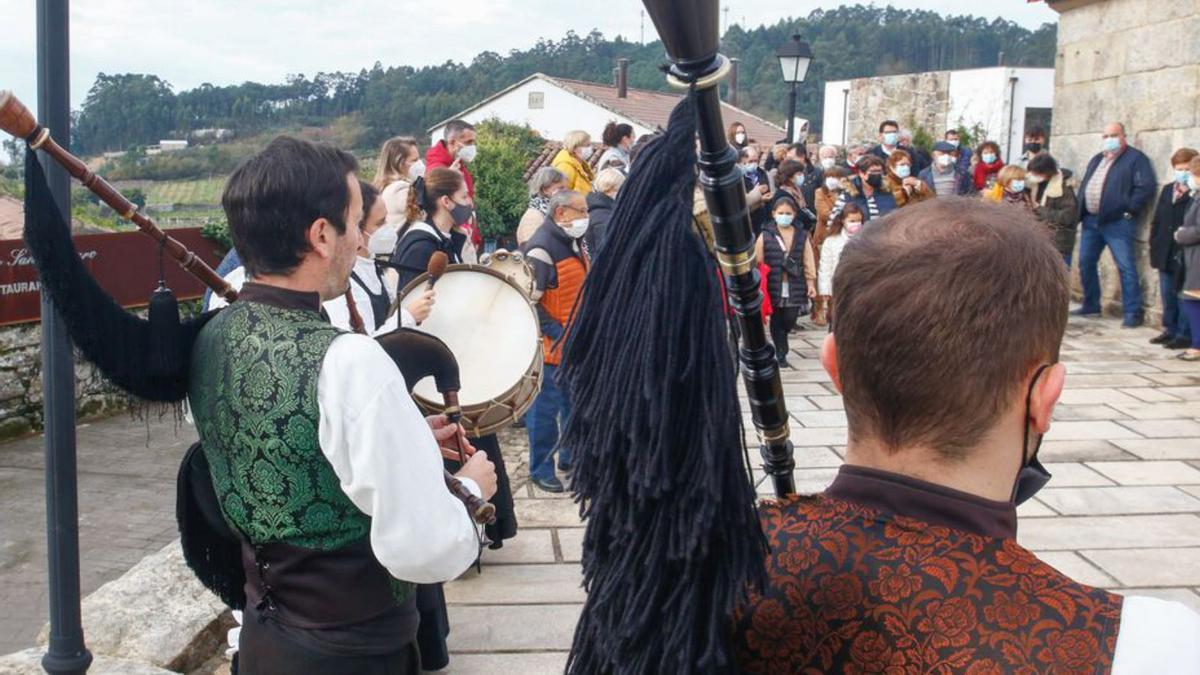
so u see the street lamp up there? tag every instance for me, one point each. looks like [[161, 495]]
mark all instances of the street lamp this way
[[794, 57]]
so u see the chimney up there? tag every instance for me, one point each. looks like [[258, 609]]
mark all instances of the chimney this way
[[622, 78], [733, 81], [1000, 58]]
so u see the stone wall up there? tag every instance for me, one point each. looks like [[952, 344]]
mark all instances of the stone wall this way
[[1135, 62], [21, 383], [917, 100]]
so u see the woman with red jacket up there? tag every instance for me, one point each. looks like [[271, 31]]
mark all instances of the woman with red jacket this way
[[988, 166]]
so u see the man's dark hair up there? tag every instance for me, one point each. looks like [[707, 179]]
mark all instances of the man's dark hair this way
[[942, 308], [951, 131], [1035, 132], [272, 198], [369, 197], [787, 171], [888, 123], [799, 148], [456, 127], [1043, 164]]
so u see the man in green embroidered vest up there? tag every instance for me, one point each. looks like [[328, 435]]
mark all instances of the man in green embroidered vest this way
[[319, 457]]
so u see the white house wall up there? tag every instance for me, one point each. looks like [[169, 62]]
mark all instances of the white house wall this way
[[1035, 89], [833, 121], [978, 96], [562, 112]]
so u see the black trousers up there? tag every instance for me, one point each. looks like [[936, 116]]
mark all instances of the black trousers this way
[[783, 320]]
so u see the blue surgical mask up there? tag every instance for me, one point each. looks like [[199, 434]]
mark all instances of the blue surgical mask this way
[[798, 180], [784, 219], [1112, 144], [1016, 186], [988, 157], [891, 138], [1181, 176], [903, 170]]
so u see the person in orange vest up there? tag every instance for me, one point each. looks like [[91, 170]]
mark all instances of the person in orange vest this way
[[559, 265]]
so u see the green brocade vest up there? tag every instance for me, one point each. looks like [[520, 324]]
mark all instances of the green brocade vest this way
[[253, 395]]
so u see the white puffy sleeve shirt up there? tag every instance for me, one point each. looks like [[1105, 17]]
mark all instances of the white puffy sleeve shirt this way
[[389, 464]]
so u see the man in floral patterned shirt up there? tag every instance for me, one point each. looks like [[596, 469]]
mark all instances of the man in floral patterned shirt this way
[[949, 316]]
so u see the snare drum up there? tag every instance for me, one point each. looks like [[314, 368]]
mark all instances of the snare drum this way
[[489, 323]]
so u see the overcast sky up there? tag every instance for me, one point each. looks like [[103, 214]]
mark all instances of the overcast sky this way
[[231, 41]]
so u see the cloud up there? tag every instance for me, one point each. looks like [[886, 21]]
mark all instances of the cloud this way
[[232, 41]]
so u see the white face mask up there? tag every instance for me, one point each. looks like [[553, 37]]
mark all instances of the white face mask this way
[[739, 137], [945, 160], [832, 183], [585, 153], [576, 228], [827, 163], [1194, 183], [383, 241], [467, 153], [417, 170]]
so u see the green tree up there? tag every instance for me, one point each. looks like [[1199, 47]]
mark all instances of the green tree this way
[[123, 110], [500, 191]]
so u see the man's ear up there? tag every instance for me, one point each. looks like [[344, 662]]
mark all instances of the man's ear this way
[[1046, 393], [829, 361], [321, 237]]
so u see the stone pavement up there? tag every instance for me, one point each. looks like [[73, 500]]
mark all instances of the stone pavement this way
[[1122, 511]]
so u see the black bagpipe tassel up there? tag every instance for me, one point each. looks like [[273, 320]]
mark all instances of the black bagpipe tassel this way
[[165, 356]]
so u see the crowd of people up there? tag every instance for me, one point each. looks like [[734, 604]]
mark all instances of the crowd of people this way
[[1102, 209], [806, 213]]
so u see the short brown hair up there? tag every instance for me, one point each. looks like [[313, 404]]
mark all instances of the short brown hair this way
[[1194, 165], [941, 310], [1183, 156]]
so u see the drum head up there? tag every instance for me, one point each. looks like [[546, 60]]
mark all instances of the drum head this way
[[489, 325]]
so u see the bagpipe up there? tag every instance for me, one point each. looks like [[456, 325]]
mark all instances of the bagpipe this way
[[150, 358]]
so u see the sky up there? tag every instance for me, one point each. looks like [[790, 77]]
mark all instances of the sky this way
[[232, 41]]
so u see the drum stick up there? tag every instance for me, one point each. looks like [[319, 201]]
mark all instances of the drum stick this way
[[437, 267]]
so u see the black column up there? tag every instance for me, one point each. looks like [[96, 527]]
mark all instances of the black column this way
[[66, 653]]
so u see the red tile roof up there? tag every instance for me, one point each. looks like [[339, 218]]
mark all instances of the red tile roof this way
[[653, 108]]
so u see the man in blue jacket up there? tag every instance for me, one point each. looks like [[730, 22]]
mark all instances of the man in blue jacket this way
[[1118, 184]]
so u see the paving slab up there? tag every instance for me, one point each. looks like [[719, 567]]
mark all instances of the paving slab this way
[[829, 418], [1159, 411], [1149, 567], [1078, 568], [1074, 413], [1076, 380], [523, 628], [1089, 431], [529, 546], [533, 513], [1160, 448], [1093, 396], [1119, 500], [828, 402], [1186, 393], [1074, 474], [1035, 509], [1093, 532], [570, 542], [1148, 473], [518, 584], [1080, 451], [1151, 395], [1177, 428]]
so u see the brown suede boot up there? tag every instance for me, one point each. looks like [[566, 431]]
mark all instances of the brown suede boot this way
[[820, 312]]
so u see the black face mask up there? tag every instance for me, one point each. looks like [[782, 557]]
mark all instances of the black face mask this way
[[1033, 476], [875, 180], [461, 213], [1034, 148]]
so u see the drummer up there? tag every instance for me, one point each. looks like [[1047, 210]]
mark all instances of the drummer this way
[[559, 267], [373, 297], [438, 207]]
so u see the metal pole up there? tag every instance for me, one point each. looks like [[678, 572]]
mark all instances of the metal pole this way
[[791, 129], [66, 652]]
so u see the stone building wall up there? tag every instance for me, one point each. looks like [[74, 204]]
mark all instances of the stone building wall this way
[[1135, 62], [917, 100]]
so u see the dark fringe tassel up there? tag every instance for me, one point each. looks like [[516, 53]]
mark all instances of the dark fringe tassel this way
[[117, 342], [673, 541]]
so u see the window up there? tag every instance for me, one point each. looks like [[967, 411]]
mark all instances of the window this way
[[537, 100]]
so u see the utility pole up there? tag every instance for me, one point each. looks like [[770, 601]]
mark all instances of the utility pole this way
[[642, 39], [726, 10]]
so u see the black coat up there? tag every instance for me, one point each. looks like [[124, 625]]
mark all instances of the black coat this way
[[773, 257], [1168, 216], [600, 210]]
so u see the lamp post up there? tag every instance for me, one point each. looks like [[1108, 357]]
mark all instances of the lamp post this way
[[66, 652], [794, 57]]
